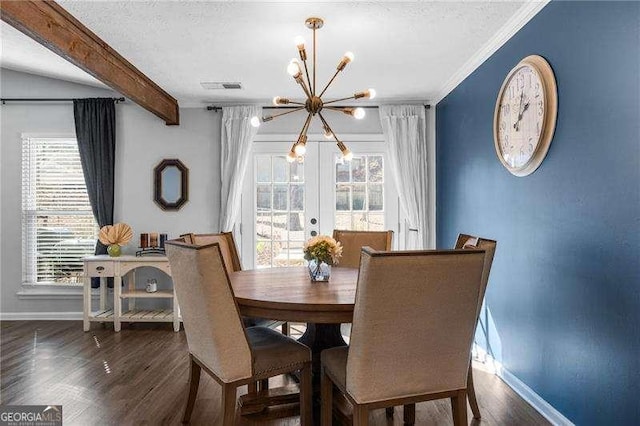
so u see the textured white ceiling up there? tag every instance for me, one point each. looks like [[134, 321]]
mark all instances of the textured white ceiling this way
[[407, 51]]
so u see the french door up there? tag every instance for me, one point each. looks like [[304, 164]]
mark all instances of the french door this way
[[284, 204]]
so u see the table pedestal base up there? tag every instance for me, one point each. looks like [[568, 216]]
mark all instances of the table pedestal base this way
[[319, 337]]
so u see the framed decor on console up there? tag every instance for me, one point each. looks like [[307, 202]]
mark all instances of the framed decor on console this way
[[171, 184]]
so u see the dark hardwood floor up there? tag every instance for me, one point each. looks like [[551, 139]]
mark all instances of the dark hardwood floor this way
[[139, 377]]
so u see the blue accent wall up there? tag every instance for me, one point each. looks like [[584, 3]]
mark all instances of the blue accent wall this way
[[563, 303]]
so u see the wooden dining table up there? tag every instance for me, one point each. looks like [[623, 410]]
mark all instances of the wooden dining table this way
[[288, 294]]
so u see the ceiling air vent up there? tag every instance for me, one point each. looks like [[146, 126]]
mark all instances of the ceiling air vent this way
[[221, 85]]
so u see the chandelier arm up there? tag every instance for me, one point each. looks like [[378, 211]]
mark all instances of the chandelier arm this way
[[297, 103], [306, 71], [334, 108], [329, 83], [305, 126], [304, 87], [339, 100], [328, 127], [287, 112]]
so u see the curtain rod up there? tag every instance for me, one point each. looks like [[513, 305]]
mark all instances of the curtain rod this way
[[218, 108], [5, 100]]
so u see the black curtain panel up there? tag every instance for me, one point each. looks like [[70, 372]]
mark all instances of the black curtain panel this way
[[95, 120]]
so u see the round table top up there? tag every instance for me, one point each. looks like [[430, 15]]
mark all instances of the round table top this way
[[287, 294]]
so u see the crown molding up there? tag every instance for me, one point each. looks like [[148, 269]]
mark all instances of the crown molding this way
[[504, 34]]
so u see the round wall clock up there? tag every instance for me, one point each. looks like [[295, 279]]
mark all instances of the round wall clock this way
[[525, 116]]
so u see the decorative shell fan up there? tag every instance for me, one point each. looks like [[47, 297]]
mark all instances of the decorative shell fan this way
[[119, 234]]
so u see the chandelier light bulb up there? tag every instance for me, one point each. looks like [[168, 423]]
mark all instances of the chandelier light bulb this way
[[299, 41], [347, 155], [300, 149], [278, 100], [294, 68], [327, 133], [348, 57], [291, 157], [370, 93], [255, 121], [359, 113]]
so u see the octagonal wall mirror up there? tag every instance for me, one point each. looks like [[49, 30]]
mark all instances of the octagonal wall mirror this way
[[171, 184]]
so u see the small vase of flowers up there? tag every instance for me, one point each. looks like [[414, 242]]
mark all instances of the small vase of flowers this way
[[114, 237], [321, 251]]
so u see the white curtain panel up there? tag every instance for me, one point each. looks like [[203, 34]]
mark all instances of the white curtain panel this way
[[235, 153], [404, 128]]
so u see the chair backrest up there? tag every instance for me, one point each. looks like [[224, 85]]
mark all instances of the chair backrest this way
[[413, 323], [227, 247], [465, 241], [353, 241], [210, 315]]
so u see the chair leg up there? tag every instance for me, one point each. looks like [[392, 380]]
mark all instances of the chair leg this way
[[409, 414], [264, 384], [360, 415], [459, 408], [471, 393], [194, 381], [326, 414], [389, 412], [228, 404], [306, 395], [285, 329]]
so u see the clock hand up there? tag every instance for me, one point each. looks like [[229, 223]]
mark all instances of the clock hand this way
[[517, 123]]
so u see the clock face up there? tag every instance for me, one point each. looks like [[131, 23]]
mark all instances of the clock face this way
[[520, 116]]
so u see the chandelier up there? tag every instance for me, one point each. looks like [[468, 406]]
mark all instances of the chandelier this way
[[313, 104]]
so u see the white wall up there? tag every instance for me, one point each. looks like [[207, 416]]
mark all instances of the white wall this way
[[142, 140]]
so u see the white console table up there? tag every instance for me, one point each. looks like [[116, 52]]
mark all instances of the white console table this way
[[104, 266]]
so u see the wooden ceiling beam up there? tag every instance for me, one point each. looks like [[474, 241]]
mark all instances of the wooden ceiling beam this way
[[50, 25]]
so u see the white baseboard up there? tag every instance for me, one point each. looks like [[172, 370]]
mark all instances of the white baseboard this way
[[36, 316], [486, 362]]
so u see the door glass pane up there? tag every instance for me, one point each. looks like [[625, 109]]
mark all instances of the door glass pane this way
[[263, 171], [280, 169], [280, 205], [375, 168], [359, 191], [343, 198], [342, 171], [263, 197], [297, 197], [280, 195], [358, 171]]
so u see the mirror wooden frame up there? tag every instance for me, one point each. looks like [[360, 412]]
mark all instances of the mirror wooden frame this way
[[184, 184]]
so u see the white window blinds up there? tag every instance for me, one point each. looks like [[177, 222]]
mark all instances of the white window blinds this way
[[58, 227]]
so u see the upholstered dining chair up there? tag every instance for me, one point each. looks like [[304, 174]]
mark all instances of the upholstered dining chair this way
[[218, 342], [465, 241], [435, 306], [353, 241], [232, 262]]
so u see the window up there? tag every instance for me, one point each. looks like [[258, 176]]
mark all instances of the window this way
[[58, 226]]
